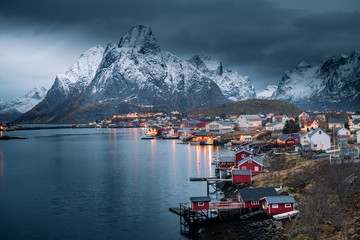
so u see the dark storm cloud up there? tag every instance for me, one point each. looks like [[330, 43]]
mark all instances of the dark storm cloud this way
[[261, 38]]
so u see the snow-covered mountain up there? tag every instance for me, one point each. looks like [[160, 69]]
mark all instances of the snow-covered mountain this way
[[267, 92], [332, 85], [31, 99], [19, 105], [133, 73], [234, 86]]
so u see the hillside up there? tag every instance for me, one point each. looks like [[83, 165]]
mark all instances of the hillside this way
[[251, 106]]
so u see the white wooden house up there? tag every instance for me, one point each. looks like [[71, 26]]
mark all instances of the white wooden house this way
[[342, 132], [248, 122], [275, 126], [316, 139], [303, 118], [220, 127]]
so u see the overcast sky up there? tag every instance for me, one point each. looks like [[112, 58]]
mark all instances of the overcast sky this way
[[259, 38]]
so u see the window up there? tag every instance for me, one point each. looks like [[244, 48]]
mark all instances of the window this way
[[254, 202], [243, 168], [200, 204], [243, 155], [249, 161], [288, 205], [315, 145], [275, 206], [319, 132], [256, 169], [322, 145]]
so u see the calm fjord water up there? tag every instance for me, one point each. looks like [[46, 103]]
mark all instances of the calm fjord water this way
[[96, 184]]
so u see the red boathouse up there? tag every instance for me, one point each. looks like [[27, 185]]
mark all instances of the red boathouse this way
[[251, 197], [255, 164], [278, 204], [241, 176], [242, 154], [200, 203]]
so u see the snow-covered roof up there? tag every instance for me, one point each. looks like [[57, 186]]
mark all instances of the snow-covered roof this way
[[241, 172], [279, 199], [200, 199], [255, 159], [255, 194], [227, 159]]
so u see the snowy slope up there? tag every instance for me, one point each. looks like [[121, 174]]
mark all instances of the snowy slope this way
[[233, 85], [77, 77], [267, 92], [332, 85], [27, 102]]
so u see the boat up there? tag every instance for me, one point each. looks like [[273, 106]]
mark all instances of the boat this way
[[285, 215], [150, 134], [228, 144], [172, 135]]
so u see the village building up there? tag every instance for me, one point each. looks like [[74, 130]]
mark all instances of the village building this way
[[248, 122], [311, 124], [334, 123], [288, 139], [242, 154], [316, 140], [358, 137], [275, 126], [226, 162], [200, 203], [220, 127], [241, 176], [278, 204], [255, 164], [355, 125], [251, 197], [246, 138], [201, 126], [342, 132], [303, 118], [281, 119]]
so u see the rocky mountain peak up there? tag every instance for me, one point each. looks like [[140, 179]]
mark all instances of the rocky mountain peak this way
[[142, 39], [303, 64]]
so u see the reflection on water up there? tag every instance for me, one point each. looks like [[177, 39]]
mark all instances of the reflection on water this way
[[73, 183], [2, 170]]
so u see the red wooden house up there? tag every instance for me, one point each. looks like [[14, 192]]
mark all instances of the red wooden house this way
[[251, 197], [288, 140], [241, 176], [226, 162], [242, 154], [255, 164], [200, 203], [278, 204]]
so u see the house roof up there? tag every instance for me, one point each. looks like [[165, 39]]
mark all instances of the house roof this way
[[251, 117], [255, 159], [338, 120], [315, 131], [200, 199], [255, 194], [273, 124], [244, 150], [202, 133], [279, 199], [227, 159], [241, 172], [202, 124], [225, 123], [283, 137], [309, 122], [356, 122]]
